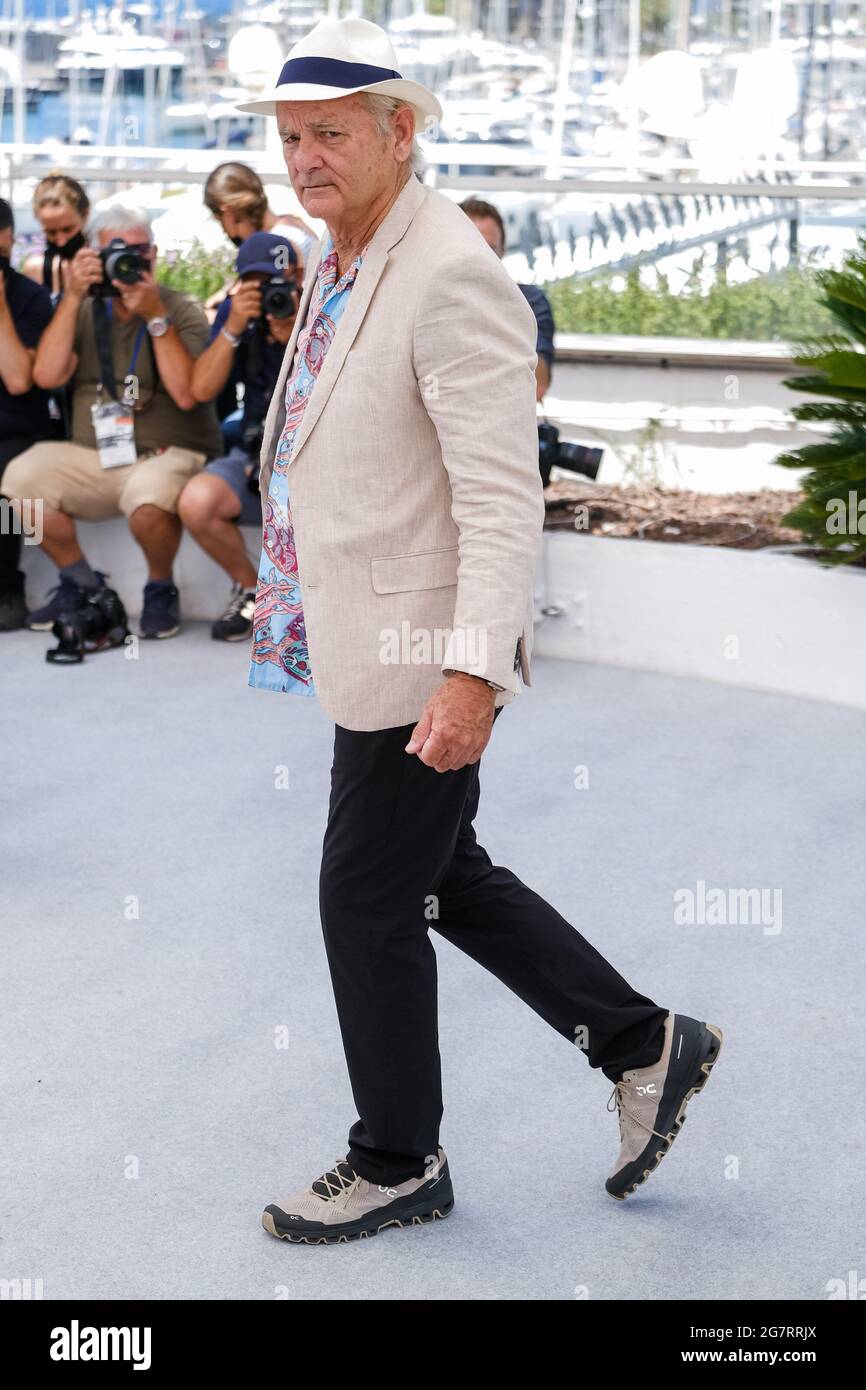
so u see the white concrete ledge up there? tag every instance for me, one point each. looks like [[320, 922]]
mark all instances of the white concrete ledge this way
[[680, 352], [204, 588], [758, 619]]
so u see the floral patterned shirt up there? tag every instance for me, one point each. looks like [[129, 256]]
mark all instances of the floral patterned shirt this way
[[280, 660]]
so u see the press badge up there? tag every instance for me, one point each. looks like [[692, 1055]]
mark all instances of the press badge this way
[[115, 433]]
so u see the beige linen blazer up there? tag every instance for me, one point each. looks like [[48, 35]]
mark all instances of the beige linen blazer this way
[[414, 488]]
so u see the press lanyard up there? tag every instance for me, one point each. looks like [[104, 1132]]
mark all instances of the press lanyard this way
[[139, 339], [104, 349]]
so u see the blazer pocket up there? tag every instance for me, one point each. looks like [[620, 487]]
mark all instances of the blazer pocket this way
[[424, 569]]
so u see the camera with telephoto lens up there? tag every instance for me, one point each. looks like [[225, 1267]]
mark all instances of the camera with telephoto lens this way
[[279, 298], [576, 458], [122, 262]]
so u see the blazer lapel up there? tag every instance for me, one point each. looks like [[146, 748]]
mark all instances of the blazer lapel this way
[[387, 234]]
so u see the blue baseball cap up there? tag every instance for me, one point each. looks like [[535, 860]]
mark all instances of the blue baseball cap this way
[[266, 252]]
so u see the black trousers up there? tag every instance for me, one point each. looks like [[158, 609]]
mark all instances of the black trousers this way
[[400, 856]]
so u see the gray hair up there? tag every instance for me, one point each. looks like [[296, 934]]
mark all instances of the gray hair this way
[[118, 217], [382, 108]]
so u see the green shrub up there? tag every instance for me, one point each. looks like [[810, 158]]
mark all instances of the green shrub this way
[[196, 270], [769, 307], [832, 513]]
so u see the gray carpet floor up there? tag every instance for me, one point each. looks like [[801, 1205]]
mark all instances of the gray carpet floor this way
[[160, 925]]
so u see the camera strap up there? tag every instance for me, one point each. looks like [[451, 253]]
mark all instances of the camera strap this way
[[47, 267], [102, 332]]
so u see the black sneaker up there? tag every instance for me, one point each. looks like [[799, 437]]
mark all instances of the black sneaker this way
[[13, 610], [160, 616], [341, 1205], [236, 622], [62, 598]]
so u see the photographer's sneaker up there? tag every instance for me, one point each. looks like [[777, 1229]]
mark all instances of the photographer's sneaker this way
[[160, 616], [13, 610], [651, 1101], [236, 622], [63, 597], [341, 1205]]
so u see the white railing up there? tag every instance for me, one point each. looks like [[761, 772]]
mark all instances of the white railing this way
[[173, 166]]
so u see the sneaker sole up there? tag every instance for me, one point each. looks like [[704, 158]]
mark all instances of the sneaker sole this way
[[157, 636], [343, 1237], [705, 1068]]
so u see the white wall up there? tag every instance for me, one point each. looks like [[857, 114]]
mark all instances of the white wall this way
[[760, 619], [787, 624]]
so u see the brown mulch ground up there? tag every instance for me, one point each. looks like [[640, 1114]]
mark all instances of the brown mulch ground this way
[[743, 520]]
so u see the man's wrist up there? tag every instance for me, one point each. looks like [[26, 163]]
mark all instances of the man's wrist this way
[[155, 309], [471, 676]]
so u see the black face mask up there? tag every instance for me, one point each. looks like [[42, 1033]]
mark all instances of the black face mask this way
[[69, 248], [65, 252]]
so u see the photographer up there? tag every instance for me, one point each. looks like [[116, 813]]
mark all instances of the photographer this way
[[25, 311], [62, 208], [235, 195], [127, 346], [248, 339], [552, 451], [488, 220]]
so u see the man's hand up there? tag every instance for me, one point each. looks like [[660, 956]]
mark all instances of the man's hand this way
[[143, 298], [84, 270], [246, 304], [281, 329], [455, 727]]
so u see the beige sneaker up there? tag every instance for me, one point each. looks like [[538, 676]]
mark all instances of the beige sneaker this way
[[341, 1205], [651, 1101]]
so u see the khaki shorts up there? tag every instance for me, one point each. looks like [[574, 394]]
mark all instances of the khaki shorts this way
[[70, 479]]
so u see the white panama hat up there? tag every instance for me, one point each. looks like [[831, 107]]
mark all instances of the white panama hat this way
[[339, 57]]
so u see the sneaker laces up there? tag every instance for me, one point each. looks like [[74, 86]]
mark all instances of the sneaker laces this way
[[336, 1181], [239, 597], [620, 1090]]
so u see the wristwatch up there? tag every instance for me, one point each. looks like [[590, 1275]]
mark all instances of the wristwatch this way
[[157, 326]]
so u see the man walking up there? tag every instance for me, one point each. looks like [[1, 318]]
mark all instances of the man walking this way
[[402, 514]]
